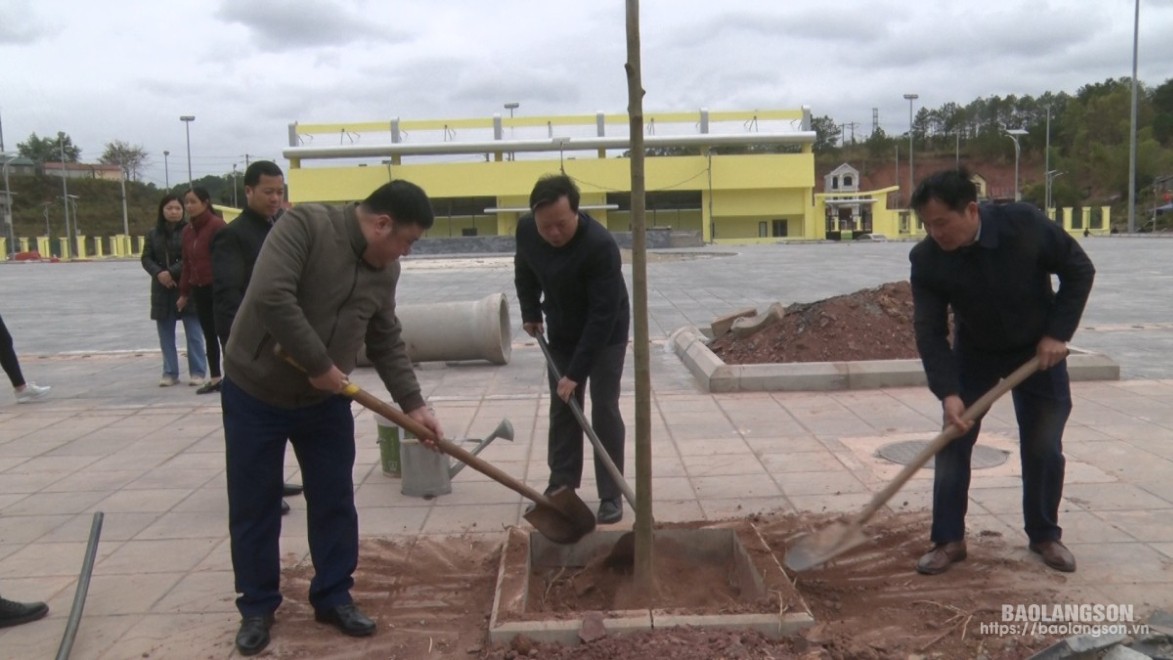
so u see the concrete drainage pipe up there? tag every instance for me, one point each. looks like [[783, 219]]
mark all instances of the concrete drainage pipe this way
[[455, 331]]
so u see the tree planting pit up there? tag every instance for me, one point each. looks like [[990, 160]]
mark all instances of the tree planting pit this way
[[720, 576]]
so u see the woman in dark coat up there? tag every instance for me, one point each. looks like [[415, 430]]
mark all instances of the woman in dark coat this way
[[163, 261]]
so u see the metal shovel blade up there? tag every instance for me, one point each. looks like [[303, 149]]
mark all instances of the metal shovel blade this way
[[826, 544], [566, 522]]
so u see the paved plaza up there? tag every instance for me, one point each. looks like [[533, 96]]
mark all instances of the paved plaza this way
[[152, 459]]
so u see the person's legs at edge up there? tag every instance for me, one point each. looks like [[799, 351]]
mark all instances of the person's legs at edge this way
[[254, 436], [203, 298], [606, 417], [564, 442], [8, 357], [323, 441], [166, 330], [1042, 405], [25, 391], [197, 359]]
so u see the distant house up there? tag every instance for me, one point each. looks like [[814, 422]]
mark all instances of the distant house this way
[[83, 171], [844, 178], [846, 211], [18, 165], [983, 186]]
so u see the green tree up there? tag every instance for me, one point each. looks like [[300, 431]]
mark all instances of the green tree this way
[[48, 149], [826, 134], [131, 158]]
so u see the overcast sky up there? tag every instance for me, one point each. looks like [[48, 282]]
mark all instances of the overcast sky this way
[[127, 69]]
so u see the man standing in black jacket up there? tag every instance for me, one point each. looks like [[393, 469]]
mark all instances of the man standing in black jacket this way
[[992, 264], [235, 249], [568, 266]]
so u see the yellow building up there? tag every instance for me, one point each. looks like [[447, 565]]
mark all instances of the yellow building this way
[[726, 177]]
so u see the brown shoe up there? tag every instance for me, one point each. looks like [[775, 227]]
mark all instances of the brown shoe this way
[[938, 560], [1056, 555]]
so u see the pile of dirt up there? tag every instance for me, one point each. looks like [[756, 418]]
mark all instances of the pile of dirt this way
[[871, 324], [432, 599]]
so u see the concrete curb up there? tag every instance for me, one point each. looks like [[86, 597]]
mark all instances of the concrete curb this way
[[691, 346]]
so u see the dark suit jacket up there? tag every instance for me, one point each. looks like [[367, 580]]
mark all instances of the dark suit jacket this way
[[234, 252], [999, 289]]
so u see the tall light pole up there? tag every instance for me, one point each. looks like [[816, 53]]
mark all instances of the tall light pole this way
[[166, 170], [1132, 126], [187, 120], [234, 202], [1051, 176], [8, 203], [1014, 134], [65, 196], [1047, 167], [911, 176], [125, 220]]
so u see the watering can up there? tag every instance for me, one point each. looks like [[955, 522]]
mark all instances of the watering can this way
[[427, 473]]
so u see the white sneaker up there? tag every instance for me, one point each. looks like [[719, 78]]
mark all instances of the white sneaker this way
[[168, 381], [32, 392], [195, 381]]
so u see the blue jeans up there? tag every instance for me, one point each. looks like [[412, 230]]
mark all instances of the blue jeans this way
[[1042, 404], [197, 361], [322, 436]]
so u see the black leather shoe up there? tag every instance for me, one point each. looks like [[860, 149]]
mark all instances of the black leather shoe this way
[[253, 636], [290, 490], [1056, 555], [284, 507], [610, 511], [941, 557], [348, 619], [13, 613], [209, 387]]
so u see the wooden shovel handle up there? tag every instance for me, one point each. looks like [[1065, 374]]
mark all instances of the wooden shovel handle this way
[[946, 436], [380, 407]]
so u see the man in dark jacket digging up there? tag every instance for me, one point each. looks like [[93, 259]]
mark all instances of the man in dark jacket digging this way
[[235, 249], [992, 265], [568, 266]]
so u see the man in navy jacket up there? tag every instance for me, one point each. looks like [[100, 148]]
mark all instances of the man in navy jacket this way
[[568, 266], [992, 265]]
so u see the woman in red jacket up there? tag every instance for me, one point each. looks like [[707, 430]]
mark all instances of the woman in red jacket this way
[[195, 283]]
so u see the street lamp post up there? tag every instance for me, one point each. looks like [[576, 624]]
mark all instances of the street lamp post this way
[[1132, 125], [1051, 176], [1014, 134], [8, 204], [187, 120], [166, 170], [65, 197], [911, 176], [234, 203]]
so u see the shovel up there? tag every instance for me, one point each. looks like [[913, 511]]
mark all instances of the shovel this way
[[839, 537], [561, 516], [623, 553]]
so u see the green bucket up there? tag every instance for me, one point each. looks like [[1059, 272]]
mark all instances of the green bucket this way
[[390, 434]]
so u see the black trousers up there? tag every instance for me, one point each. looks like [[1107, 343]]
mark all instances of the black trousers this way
[[202, 296], [1042, 404], [8, 356], [566, 436]]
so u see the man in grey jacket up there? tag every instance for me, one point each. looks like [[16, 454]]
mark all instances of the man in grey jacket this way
[[324, 283]]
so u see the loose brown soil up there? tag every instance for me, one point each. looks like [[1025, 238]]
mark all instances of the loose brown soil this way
[[872, 324], [432, 599]]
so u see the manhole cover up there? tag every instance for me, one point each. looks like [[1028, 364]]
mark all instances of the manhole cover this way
[[904, 452]]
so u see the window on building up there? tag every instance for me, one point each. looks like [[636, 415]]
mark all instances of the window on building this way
[[780, 228], [847, 181], [763, 227], [834, 183]]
